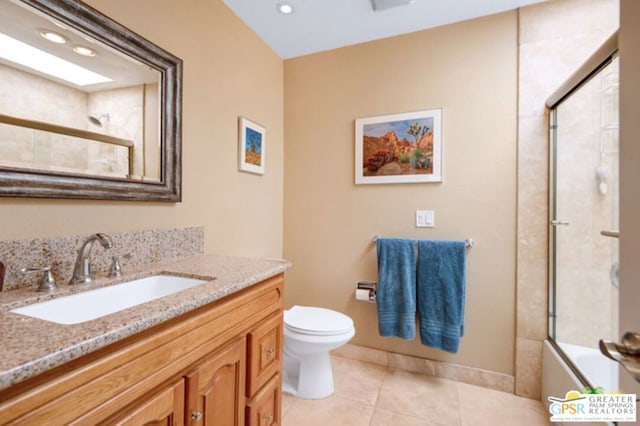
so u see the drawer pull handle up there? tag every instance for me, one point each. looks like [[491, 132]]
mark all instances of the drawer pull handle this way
[[196, 416], [271, 351], [268, 419]]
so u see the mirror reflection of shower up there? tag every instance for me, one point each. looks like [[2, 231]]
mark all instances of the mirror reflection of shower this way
[[100, 121]]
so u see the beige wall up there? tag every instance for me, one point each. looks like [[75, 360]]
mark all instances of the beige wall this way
[[469, 69], [228, 71]]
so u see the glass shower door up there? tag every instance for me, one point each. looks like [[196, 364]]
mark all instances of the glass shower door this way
[[584, 259]]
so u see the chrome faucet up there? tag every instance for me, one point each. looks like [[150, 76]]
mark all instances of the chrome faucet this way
[[82, 268]]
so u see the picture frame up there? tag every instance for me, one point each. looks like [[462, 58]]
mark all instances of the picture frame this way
[[252, 142], [399, 148]]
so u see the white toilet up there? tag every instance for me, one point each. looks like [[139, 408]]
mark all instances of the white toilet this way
[[309, 334]]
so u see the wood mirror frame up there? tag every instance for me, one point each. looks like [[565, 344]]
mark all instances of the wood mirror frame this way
[[44, 184]]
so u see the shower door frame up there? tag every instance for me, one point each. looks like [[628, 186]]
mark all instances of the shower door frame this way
[[552, 308], [597, 62]]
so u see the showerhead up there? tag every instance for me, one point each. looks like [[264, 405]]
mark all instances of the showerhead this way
[[98, 121]]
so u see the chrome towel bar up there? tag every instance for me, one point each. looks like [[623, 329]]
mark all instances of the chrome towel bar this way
[[468, 242]]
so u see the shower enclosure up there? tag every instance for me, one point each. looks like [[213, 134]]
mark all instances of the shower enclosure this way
[[583, 224]]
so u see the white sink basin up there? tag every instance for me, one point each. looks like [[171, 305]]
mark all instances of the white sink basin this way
[[97, 303]]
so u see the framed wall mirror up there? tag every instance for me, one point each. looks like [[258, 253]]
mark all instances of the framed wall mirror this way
[[88, 108]]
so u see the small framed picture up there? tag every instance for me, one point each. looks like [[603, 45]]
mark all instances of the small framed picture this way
[[399, 148], [251, 146]]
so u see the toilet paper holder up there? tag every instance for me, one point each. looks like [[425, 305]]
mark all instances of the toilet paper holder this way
[[371, 286]]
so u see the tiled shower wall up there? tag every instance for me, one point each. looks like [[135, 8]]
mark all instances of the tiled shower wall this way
[[555, 38], [44, 100], [60, 253]]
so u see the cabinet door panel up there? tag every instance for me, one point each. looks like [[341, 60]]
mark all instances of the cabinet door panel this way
[[165, 408], [264, 408], [215, 389], [265, 353]]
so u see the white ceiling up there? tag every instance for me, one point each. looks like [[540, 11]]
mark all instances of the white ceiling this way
[[318, 25], [21, 22]]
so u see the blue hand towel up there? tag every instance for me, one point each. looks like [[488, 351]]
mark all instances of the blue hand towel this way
[[441, 293], [396, 294]]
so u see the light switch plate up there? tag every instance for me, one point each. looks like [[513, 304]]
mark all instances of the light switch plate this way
[[425, 219]]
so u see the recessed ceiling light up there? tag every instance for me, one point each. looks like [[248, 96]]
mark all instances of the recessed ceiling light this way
[[84, 51], [28, 56], [285, 8], [53, 36]]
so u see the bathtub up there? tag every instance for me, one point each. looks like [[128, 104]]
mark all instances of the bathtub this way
[[598, 369], [558, 378]]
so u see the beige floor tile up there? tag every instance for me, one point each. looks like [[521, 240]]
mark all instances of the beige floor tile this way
[[357, 380], [287, 403], [417, 395], [368, 394], [481, 406], [334, 411], [388, 418]]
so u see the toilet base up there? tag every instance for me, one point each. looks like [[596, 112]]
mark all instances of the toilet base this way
[[308, 377]]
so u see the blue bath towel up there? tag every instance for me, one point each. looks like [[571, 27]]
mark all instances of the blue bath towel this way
[[396, 295], [441, 293]]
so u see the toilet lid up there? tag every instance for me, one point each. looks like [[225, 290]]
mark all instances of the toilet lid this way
[[311, 320]]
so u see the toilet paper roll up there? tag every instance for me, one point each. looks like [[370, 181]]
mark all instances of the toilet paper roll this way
[[362, 294]]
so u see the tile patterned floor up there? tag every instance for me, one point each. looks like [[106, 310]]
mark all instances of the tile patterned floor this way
[[372, 395]]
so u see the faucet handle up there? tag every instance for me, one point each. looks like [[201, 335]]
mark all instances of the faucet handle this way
[[116, 270], [47, 282]]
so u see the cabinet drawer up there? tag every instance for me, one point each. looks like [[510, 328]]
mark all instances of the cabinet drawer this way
[[264, 353], [264, 408], [163, 408]]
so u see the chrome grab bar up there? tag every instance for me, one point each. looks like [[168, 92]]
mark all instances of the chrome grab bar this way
[[613, 234]]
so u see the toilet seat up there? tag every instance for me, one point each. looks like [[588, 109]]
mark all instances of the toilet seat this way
[[316, 321]]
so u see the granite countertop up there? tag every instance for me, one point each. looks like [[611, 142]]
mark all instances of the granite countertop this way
[[30, 346]]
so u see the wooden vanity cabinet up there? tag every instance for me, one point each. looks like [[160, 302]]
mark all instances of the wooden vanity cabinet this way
[[264, 384], [264, 353], [264, 409], [163, 408], [217, 365], [215, 389]]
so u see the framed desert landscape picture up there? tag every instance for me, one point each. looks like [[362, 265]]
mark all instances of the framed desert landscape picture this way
[[399, 148], [251, 146]]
